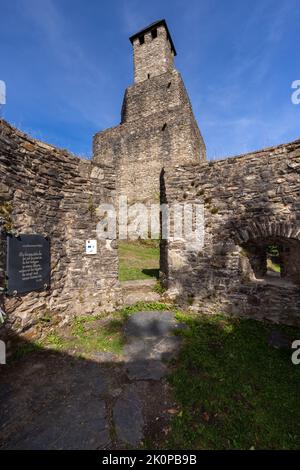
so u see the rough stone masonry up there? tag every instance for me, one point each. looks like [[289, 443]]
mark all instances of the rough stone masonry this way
[[48, 191], [250, 202], [158, 128], [156, 154]]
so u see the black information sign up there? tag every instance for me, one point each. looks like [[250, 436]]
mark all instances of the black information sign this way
[[28, 263]]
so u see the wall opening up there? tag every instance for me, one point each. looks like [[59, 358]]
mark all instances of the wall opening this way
[[138, 260], [154, 33], [273, 259]]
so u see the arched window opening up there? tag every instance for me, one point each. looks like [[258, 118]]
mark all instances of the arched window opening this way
[[272, 260]]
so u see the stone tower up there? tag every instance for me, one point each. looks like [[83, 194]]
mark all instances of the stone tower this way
[[158, 128], [155, 57]]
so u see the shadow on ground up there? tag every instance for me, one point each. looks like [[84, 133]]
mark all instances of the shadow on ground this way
[[151, 272], [234, 383], [53, 400]]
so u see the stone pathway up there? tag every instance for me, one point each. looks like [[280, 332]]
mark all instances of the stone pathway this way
[[50, 400], [139, 291]]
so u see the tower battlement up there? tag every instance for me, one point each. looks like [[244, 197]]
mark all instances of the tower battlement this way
[[153, 51]]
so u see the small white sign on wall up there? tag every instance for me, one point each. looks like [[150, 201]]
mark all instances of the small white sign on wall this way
[[91, 247]]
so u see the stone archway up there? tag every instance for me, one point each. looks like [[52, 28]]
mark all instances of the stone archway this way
[[255, 239], [268, 229]]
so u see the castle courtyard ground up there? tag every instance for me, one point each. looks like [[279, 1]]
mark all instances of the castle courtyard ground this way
[[150, 376]]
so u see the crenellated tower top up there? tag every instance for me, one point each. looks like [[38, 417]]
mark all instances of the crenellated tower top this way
[[153, 51]]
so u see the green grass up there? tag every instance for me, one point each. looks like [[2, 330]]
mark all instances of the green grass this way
[[233, 389], [273, 266], [102, 336], [138, 260], [23, 349], [106, 336], [131, 309], [54, 341]]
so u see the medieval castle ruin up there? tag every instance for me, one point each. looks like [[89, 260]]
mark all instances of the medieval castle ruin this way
[[156, 153]]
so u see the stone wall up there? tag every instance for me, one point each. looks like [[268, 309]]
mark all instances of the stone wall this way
[[48, 191], [154, 56], [156, 154], [249, 202], [158, 130]]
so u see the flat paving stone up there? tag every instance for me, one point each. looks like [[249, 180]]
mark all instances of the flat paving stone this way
[[166, 348], [146, 370], [59, 406], [73, 426], [150, 342], [278, 340], [160, 348], [150, 324], [128, 416]]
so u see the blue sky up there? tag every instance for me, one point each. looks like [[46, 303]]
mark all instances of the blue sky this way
[[66, 64]]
